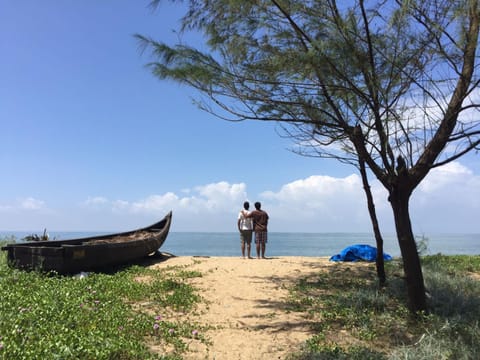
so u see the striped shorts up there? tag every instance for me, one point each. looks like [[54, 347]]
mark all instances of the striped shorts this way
[[261, 237]]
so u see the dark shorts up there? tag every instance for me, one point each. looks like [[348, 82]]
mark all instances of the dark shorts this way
[[245, 236], [261, 237]]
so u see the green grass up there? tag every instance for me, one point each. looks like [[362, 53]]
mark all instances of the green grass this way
[[354, 319], [101, 316], [134, 313]]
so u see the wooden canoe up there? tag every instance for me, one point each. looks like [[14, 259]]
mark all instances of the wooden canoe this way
[[90, 253]]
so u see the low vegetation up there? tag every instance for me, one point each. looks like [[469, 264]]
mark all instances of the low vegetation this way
[[129, 314], [356, 320], [143, 313]]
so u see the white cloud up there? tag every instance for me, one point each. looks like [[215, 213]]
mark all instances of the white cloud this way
[[439, 178], [119, 205], [25, 214], [448, 200], [31, 203], [204, 208], [319, 203], [213, 197], [154, 203], [5, 207], [221, 196]]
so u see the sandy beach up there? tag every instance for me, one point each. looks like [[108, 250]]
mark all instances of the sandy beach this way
[[245, 305]]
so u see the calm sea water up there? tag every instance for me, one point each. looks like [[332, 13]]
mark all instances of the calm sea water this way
[[291, 244]]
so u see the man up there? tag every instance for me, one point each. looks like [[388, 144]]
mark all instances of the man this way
[[260, 223], [245, 227]]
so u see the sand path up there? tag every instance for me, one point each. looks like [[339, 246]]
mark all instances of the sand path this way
[[245, 305]]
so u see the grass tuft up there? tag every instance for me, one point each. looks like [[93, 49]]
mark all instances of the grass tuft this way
[[357, 320]]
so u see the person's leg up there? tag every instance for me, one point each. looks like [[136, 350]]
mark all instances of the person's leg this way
[[249, 243], [242, 243], [264, 244], [257, 244]]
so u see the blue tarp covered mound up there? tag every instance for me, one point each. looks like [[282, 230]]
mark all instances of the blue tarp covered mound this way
[[359, 252]]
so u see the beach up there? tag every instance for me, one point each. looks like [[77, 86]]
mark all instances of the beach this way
[[244, 304]]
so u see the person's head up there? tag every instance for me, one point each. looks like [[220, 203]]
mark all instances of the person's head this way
[[246, 205], [258, 205]]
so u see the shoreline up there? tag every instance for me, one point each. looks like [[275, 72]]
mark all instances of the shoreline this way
[[300, 244]]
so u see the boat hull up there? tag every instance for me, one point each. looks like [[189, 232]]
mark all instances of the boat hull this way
[[91, 253]]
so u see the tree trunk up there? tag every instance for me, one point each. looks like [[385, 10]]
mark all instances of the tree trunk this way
[[411, 261], [376, 229]]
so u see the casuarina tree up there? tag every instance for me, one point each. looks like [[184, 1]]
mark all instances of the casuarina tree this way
[[387, 83]]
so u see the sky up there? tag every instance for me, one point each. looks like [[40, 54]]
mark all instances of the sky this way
[[91, 141]]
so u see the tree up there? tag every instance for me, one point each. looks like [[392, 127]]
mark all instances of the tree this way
[[388, 83], [305, 137]]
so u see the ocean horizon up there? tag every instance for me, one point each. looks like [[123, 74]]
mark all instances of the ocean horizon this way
[[287, 244]]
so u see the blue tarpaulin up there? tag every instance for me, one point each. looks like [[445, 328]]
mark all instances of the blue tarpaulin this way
[[359, 252]]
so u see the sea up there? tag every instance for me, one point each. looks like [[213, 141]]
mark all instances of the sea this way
[[290, 244]]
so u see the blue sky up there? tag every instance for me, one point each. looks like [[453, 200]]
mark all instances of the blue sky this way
[[90, 140]]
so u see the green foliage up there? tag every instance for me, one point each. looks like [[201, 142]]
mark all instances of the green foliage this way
[[7, 240], [382, 83], [376, 323], [452, 264], [320, 351], [422, 244], [101, 316], [118, 316], [329, 64]]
